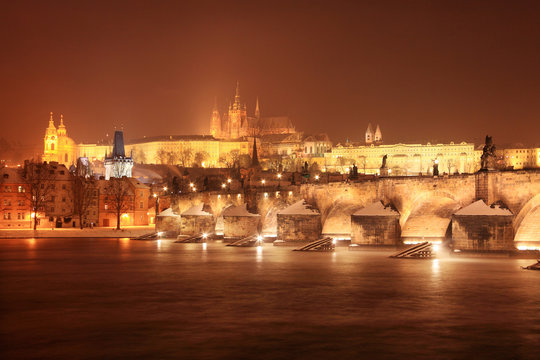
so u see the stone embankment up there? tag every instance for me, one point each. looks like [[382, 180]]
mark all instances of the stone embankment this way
[[130, 231]]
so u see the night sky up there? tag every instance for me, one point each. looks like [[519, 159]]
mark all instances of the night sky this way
[[424, 70]]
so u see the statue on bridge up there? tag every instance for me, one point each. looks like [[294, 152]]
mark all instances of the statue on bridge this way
[[488, 153], [383, 171]]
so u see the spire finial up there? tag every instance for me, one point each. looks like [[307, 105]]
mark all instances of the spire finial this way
[[257, 110], [51, 121], [62, 119]]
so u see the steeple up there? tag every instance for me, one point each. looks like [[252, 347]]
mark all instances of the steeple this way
[[378, 135], [61, 127], [257, 111], [237, 105], [254, 157], [51, 122], [369, 134]]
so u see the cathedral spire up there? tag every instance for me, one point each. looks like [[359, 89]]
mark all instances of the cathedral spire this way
[[237, 96], [257, 110]]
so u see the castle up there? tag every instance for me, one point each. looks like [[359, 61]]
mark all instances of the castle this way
[[236, 124]]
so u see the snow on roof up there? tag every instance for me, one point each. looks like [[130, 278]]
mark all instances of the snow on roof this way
[[197, 210], [167, 212], [376, 209], [239, 210], [480, 208], [299, 208]]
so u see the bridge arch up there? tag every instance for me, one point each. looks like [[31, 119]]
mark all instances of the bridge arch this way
[[527, 224], [427, 216]]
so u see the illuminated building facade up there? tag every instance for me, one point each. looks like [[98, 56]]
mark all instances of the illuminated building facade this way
[[521, 158], [404, 159]]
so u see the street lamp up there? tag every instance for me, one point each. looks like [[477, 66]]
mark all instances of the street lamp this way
[[156, 207], [279, 180]]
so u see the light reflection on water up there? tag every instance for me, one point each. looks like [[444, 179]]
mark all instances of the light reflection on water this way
[[142, 299]]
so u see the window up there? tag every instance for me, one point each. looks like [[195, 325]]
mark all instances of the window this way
[[63, 186], [20, 203], [140, 205], [53, 198], [18, 216], [63, 199], [52, 208], [106, 206]]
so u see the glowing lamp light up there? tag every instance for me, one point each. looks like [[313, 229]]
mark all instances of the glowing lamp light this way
[[223, 185], [279, 176], [259, 238], [164, 188], [238, 195], [155, 195], [160, 233], [290, 193], [263, 181], [194, 189], [125, 216], [191, 185], [316, 177], [229, 180], [204, 235]]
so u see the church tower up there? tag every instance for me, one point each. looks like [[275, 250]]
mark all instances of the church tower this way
[[62, 128], [50, 151], [378, 135], [237, 116], [369, 135], [215, 122]]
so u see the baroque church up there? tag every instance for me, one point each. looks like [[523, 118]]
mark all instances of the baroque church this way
[[236, 123], [57, 145]]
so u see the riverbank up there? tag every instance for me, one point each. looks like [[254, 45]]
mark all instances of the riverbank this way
[[102, 232]]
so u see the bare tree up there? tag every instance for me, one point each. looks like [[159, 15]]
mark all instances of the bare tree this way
[[117, 197], [40, 178], [162, 156], [231, 159], [275, 162], [200, 157], [185, 156], [83, 195]]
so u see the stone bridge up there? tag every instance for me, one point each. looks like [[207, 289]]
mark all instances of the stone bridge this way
[[425, 204]]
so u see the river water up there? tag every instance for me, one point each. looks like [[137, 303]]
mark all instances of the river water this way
[[108, 298]]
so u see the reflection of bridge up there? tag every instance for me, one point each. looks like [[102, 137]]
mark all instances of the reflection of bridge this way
[[425, 204]]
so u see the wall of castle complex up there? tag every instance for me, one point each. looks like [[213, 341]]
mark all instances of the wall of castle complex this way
[[149, 152], [521, 158], [405, 159]]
